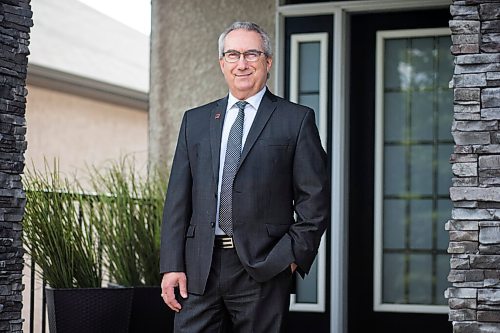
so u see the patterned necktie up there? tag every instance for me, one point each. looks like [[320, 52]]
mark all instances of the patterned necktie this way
[[231, 163]]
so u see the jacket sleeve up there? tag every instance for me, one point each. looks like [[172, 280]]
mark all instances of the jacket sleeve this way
[[177, 209], [311, 194]]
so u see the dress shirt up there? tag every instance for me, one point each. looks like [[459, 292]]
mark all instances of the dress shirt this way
[[231, 113]]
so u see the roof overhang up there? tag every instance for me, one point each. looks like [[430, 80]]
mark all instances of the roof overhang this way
[[70, 83]]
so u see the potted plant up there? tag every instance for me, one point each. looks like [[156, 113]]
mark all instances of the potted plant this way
[[132, 208], [61, 235]]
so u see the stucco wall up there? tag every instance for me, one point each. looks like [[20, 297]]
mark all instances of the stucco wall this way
[[80, 131], [77, 131], [184, 63]]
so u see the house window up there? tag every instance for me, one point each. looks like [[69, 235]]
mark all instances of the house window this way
[[308, 86], [412, 177]]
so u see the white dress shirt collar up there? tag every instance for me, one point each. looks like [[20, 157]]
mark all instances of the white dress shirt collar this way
[[254, 100]]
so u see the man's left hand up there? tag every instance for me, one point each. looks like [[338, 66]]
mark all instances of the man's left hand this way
[[293, 266]]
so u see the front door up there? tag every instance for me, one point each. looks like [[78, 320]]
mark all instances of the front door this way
[[400, 111]]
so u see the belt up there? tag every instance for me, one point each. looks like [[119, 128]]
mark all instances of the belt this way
[[223, 242]]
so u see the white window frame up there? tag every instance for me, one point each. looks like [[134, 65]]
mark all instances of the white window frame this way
[[296, 39], [322, 38], [378, 305]]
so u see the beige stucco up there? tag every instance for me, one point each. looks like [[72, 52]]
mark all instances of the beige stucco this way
[[184, 63], [79, 131]]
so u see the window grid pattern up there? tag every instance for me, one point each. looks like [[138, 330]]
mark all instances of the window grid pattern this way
[[416, 170]]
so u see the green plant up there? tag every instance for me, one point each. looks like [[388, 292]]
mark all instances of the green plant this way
[[60, 231], [149, 230], [131, 210]]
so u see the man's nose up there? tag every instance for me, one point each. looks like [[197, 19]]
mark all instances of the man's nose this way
[[242, 63]]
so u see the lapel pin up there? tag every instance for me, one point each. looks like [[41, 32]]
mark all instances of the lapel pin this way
[[217, 115]]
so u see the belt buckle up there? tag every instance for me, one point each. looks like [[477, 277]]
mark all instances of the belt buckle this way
[[227, 243], [224, 242]]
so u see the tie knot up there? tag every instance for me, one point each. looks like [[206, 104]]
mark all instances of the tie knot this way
[[241, 105]]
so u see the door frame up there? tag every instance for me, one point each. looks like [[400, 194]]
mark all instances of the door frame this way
[[339, 227]]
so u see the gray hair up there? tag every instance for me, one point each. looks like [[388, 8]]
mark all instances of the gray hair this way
[[249, 26]]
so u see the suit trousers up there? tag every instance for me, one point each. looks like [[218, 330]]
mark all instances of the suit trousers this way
[[235, 302]]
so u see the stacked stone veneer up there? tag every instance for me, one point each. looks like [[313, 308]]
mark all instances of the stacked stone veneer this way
[[15, 23], [474, 298]]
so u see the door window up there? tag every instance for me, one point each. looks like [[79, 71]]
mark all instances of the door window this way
[[308, 86], [412, 175]]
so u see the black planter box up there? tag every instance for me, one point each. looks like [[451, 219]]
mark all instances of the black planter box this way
[[84, 310], [149, 312]]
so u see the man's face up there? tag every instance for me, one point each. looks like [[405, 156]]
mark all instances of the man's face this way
[[245, 78]]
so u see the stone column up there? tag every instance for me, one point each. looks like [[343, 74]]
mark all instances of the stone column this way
[[15, 23], [184, 62], [474, 229]]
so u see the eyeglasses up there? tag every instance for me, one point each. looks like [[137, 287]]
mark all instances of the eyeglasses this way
[[234, 56]]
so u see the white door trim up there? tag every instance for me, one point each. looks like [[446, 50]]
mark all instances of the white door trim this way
[[378, 304]]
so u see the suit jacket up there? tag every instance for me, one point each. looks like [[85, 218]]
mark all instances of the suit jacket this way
[[283, 169]]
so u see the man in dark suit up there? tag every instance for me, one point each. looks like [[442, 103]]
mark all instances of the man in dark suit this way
[[243, 166]]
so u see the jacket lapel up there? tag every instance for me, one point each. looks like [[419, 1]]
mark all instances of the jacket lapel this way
[[266, 109], [216, 121]]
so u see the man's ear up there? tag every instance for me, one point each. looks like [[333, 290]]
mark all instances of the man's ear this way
[[269, 63], [221, 63]]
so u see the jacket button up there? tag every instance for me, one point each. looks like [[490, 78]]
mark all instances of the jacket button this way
[[212, 224]]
